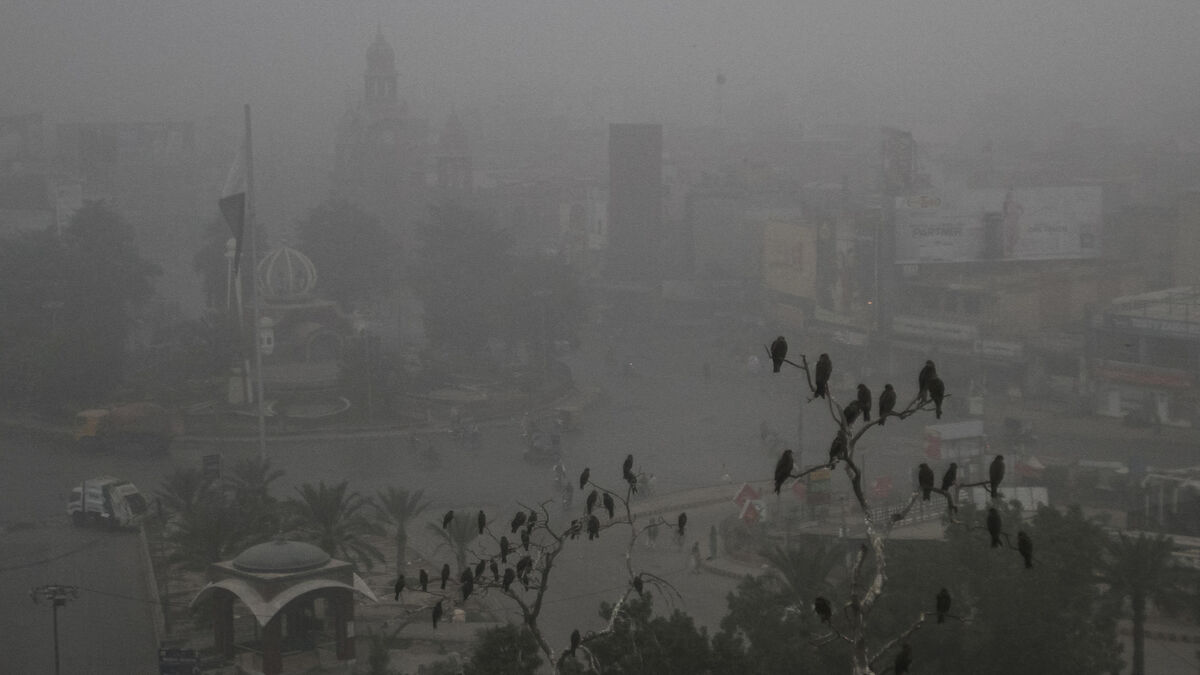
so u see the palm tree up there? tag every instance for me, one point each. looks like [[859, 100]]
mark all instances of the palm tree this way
[[1143, 570], [250, 481], [458, 535], [803, 570], [332, 519], [183, 491], [397, 507], [204, 535]]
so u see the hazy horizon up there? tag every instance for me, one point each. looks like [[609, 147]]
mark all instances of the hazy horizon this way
[[937, 67]]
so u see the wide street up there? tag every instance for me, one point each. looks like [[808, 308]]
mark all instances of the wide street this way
[[687, 427]]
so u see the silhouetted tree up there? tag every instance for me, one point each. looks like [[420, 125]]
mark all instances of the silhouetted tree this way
[[335, 520], [355, 257], [1143, 570], [396, 508]]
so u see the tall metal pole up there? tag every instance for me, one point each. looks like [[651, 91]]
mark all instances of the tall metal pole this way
[[252, 234], [57, 594], [57, 603]]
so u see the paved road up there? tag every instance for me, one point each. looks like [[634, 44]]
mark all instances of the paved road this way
[[109, 628], [687, 429]]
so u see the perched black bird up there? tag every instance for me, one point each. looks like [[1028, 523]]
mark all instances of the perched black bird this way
[[504, 549], [778, 353], [927, 373], [525, 539], [517, 521], [864, 401], [447, 518], [609, 505], [575, 640], [1025, 548], [837, 449], [445, 575], [575, 528], [937, 392], [823, 609], [627, 469], [509, 576], [943, 605], [524, 567], [783, 469], [681, 521], [925, 480], [437, 614], [903, 660], [993, 526], [950, 477], [887, 402], [529, 522], [638, 584], [399, 586], [593, 527], [466, 584], [591, 500], [995, 475], [824, 371], [424, 580], [482, 521], [495, 569], [583, 477], [851, 412], [480, 567]]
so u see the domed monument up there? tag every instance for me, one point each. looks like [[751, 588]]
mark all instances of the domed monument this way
[[301, 334], [285, 585]]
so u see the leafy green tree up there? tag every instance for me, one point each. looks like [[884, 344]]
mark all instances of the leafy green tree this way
[[464, 278], [354, 256], [70, 302], [335, 520], [1005, 617], [643, 643], [105, 281], [396, 508], [457, 536], [506, 650], [767, 612], [1143, 570]]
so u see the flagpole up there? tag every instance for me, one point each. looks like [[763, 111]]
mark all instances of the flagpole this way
[[251, 233]]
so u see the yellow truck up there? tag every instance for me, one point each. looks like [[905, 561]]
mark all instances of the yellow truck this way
[[146, 425]]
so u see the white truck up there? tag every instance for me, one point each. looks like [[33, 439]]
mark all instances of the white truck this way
[[106, 501]]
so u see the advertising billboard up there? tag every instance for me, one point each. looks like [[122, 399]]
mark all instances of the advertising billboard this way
[[1044, 223], [790, 258]]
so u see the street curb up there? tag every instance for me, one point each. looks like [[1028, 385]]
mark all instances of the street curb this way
[[152, 583]]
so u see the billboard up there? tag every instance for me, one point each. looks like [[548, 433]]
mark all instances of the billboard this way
[[790, 258], [1044, 223]]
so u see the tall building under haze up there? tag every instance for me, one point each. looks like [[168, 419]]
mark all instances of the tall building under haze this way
[[635, 205], [381, 149]]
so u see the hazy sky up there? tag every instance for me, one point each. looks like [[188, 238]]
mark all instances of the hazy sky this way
[[918, 63]]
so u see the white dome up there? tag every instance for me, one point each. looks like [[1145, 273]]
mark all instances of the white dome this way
[[285, 274]]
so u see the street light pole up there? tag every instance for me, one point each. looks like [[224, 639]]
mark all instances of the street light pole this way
[[57, 594]]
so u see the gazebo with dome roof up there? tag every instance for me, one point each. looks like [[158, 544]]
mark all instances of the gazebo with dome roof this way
[[280, 582]]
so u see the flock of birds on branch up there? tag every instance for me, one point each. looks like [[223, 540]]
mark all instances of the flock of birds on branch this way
[[930, 388], [531, 554], [531, 550]]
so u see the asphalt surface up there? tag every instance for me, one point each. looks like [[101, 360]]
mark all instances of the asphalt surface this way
[[687, 425]]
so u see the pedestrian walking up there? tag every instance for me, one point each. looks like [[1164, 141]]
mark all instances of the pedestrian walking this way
[[694, 559]]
